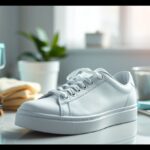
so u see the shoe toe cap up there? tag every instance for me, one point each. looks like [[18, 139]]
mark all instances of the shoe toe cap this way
[[45, 105]]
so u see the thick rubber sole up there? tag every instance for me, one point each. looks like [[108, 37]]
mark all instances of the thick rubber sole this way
[[75, 125]]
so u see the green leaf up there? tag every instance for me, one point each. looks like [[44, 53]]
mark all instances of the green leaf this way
[[41, 34], [38, 43], [46, 50], [26, 55], [55, 40], [58, 51]]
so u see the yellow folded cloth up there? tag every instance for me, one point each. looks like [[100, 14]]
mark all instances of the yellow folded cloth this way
[[1, 110], [14, 92]]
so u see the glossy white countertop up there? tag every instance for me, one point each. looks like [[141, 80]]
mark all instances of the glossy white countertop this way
[[120, 134]]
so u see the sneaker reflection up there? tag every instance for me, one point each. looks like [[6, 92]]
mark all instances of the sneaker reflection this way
[[120, 134]]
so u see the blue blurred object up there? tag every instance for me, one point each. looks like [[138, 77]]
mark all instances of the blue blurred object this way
[[2, 56], [144, 105]]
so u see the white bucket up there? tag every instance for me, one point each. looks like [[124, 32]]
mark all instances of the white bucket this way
[[44, 73]]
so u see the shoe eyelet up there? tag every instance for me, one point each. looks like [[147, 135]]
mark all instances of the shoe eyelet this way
[[85, 88], [92, 83], [73, 95]]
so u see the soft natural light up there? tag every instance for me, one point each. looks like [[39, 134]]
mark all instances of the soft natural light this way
[[138, 25], [121, 25], [79, 20]]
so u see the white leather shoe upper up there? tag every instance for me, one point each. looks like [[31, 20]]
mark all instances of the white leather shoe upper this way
[[87, 92]]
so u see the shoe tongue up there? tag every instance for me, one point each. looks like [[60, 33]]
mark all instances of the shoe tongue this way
[[98, 70], [101, 70], [86, 74]]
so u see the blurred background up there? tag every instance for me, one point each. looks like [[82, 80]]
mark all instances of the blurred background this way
[[113, 37]]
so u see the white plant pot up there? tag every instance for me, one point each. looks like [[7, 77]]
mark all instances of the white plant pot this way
[[44, 73]]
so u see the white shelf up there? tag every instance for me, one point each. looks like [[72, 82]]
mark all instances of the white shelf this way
[[112, 50]]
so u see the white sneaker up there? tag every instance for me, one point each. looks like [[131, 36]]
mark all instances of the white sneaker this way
[[89, 101]]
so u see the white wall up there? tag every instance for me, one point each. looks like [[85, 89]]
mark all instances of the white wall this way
[[9, 25], [112, 60], [32, 17], [25, 18]]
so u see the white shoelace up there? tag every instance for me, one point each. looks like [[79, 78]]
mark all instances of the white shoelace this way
[[76, 81]]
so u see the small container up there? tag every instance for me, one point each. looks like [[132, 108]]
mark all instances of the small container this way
[[142, 82], [94, 39]]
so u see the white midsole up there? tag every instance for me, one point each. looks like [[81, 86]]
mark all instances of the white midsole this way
[[75, 125], [74, 118]]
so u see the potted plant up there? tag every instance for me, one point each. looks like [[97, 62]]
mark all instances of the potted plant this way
[[43, 65]]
